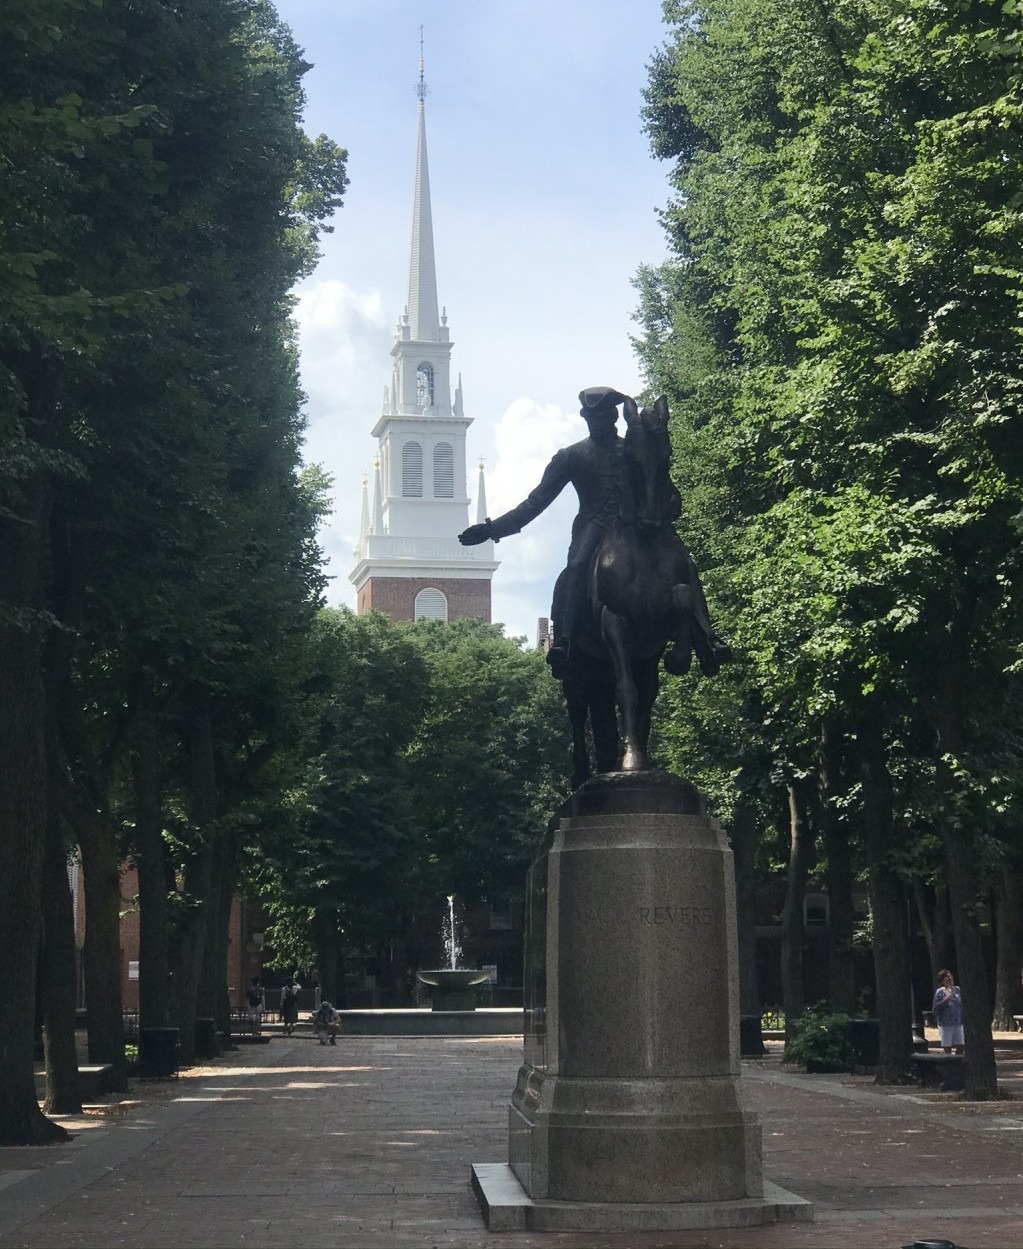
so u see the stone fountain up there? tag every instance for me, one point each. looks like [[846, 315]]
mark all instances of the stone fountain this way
[[453, 984]]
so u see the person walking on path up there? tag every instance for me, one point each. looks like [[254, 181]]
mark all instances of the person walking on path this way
[[289, 1005], [255, 998], [948, 1012]]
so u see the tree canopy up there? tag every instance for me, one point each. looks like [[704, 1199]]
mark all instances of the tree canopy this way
[[839, 329], [157, 536]]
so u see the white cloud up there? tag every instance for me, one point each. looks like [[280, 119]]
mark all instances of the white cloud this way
[[345, 339]]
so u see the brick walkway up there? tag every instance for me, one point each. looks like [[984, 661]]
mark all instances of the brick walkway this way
[[370, 1144]]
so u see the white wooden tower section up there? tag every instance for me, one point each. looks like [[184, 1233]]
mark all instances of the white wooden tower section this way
[[420, 503]]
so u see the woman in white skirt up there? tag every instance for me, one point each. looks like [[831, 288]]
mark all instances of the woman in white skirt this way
[[948, 1012]]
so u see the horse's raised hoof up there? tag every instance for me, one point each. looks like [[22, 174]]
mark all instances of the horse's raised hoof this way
[[678, 660], [712, 655], [710, 665]]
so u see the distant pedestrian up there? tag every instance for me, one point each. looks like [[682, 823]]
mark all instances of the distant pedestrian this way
[[326, 1024], [289, 1005], [948, 1012], [255, 998]]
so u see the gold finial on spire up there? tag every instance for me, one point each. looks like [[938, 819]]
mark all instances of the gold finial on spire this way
[[421, 88], [481, 463]]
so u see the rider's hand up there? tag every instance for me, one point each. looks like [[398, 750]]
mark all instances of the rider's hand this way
[[476, 534]]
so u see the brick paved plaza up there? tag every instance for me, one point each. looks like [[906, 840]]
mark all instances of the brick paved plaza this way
[[370, 1144]]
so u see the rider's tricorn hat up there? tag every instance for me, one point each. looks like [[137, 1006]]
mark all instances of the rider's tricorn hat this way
[[600, 401]]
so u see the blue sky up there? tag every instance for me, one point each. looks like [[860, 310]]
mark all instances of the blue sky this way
[[544, 200]]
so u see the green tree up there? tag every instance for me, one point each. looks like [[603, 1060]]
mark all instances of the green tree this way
[[166, 201], [437, 753], [840, 327], [337, 873]]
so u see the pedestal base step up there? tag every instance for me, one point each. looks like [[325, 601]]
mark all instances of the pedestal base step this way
[[507, 1207]]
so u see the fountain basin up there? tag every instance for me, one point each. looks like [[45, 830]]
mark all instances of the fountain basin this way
[[453, 986]]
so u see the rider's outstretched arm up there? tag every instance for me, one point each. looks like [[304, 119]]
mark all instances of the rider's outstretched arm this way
[[556, 477]]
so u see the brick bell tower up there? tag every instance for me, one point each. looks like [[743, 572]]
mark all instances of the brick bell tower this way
[[408, 562]]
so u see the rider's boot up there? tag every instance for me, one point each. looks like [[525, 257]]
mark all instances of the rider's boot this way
[[559, 654], [678, 658], [557, 659]]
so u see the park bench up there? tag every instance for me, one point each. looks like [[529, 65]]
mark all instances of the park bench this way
[[939, 1071], [94, 1080]]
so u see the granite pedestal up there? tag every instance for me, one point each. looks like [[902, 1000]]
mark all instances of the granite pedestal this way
[[628, 1110]]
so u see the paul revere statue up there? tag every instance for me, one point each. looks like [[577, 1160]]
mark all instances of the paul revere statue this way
[[597, 467]]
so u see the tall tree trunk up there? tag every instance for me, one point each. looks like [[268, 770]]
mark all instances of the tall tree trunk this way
[[198, 877], [745, 836], [213, 999], [325, 939], [936, 921], [156, 881], [23, 797], [835, 840], [1008, 988], [793, 987], [58, 982], [78, 793], [961, 855], [887, 902], [399, 972], [101, 954]]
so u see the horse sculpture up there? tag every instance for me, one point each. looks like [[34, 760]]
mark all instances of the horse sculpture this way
[[644, 601]]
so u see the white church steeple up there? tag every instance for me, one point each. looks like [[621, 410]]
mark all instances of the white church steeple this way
[[422, 273], [409, 563]]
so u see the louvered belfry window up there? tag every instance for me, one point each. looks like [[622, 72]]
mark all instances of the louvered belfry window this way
[[431, 605], [412, 470], [443, 471]]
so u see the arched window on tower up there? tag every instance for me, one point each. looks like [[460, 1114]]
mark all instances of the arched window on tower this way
[[443, 471], [424, 386], [431, 605], [412, 470]]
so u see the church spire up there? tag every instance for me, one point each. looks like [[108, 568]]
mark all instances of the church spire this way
[[424, 321], [364, 519], [409, 563]]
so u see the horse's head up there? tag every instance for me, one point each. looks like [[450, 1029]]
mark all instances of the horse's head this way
[[648, 453]]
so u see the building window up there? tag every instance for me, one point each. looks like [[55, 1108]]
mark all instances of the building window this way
[[443, 471], [412, 470], [816, 912], [424, 385], [431, 605], [500, 918]]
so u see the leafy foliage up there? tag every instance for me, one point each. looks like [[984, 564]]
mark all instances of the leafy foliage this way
[[435, 755], [837, 330], [819, 1040]]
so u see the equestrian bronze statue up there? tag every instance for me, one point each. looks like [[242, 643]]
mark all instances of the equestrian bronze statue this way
[[630, 592]]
